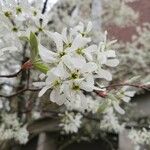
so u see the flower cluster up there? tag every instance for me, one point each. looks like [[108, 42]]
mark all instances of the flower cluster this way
[[11, 128], [18, 20], [140, 47], [90, 105], [119, 13], [75, 69], [75, 64], [70, 122], [110, 122], [116, 97], [139, 137]]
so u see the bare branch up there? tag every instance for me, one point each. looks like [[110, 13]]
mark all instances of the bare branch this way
[[11, 75], [44, 6], [145, 87], [20, 92]]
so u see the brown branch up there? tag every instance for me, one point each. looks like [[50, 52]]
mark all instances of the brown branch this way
[[128, 84], [7, 84], [28, 78], [44, 6], [20, 92], [11, 75]]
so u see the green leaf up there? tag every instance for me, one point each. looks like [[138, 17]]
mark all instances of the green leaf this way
[[34, 46], [39, 65]]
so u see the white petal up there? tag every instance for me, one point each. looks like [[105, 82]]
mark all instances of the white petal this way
[[110, 53], [129, 93], [56, 97], [105, 74], [44, 89], [50, 79], [74, 62], [118, 108], [126, 99], [86, 86], [89, 67], [38, 84], [89, 78], [125, 88], [80, 27], [66, 90], [60, 71], [102, 59], [112, 62], [79, 42], [46, 55], [64, 35], [89, 27], [98, 89], [91, 48], [88, 56], [42, 76], [57, 38]]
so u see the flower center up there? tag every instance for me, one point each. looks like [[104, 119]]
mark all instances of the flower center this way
[[15, 29], [18, 10], [56, 83], [74, 75], [67, 45], [75, 87], [79, 51], [61, 54], [8, 14], [34, 13], [40, 29]]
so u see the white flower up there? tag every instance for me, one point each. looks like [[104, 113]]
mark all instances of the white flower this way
[[47, 55], [92, 105], [110, 121], [58, 54], [119, 13], [117, 107], [54, 81], [124, 94], [11, 8], [139, 137], [75, 64], [105, 56], [84, 31], [36, 115], [104, 53], [67, 38], [70, 122], [78, 42], [22, 135], [11, 128]]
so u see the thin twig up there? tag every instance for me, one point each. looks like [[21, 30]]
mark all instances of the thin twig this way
[[128, 84], [44, 6], [20, 92], [11, 75], [28, 78], [7, 84]]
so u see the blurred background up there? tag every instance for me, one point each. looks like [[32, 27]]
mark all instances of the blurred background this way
[[128, 21]]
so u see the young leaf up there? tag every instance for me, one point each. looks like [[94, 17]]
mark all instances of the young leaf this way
[[41, 67], [34, 46]]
